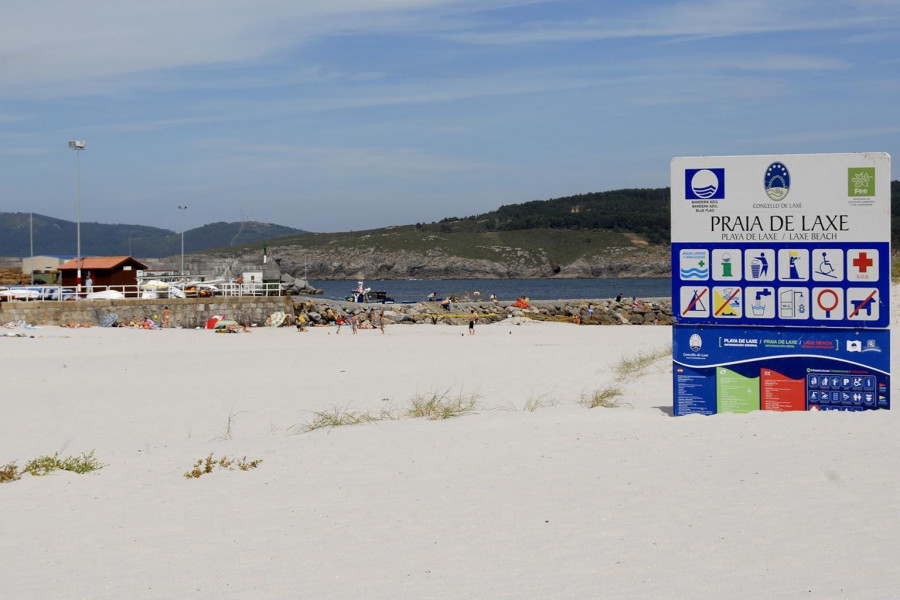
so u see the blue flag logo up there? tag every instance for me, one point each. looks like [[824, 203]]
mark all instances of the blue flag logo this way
[[704, 184]]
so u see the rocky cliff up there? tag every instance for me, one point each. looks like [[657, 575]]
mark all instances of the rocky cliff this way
[[344, 263]]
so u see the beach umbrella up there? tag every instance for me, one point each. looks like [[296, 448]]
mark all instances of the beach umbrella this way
[[225, 323]]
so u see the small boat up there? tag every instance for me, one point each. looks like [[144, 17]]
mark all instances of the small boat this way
[[105, 295], [20, 293], [365, 294]]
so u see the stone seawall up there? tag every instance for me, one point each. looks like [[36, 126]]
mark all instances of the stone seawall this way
[[656, 311], [186, 312], [194, 312]]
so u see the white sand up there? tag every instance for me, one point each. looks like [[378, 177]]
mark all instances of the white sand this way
[[563, 502]]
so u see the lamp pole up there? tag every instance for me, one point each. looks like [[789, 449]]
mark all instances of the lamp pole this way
[[78, 146], [31, 237], [182, 209]]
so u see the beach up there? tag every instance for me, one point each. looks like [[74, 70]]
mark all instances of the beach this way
[[528, 494]]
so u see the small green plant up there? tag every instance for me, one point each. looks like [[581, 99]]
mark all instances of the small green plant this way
[[335, 417], [532, 404], [42, 465], [633, 366], [389, 413], [228, 426], [604, 398], [9, 472], [437, 406], [209, 464], [626, 368]]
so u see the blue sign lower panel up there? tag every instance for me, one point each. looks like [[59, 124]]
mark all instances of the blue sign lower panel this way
[[739, 369]]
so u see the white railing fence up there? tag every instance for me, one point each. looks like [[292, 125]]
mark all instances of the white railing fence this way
[[35, 293]]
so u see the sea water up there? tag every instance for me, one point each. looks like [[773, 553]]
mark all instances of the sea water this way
[[414, 290]]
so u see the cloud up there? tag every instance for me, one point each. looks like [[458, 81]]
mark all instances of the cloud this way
[[65, 48], [13, 118], [685, 20], [785, 63], [377, 94], [831, 135], [381, 161], [27, 151]]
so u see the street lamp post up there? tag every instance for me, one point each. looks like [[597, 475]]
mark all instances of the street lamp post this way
[[182, 209], [31, 238], [78, 146]]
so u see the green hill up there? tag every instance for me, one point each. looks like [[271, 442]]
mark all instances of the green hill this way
[[57, 237]]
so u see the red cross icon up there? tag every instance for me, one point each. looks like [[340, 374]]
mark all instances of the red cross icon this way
[[862, 262]]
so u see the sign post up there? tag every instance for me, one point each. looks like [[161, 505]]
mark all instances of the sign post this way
[[781, 282]]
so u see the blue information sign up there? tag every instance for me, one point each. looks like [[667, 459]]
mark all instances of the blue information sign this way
[[739, 369], [779, 284], [785, 262]]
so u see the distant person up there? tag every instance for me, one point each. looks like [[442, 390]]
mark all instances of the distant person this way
[[89, 282], [354, 322], [473, 316], [166, 318], [432, 296], [446, 303], [381, 322], [372, 318], [619, 297]]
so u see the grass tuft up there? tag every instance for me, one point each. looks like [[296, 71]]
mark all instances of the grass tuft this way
[[228, 434], [438, 406], [532, 404], [604, 398], [628, 367], [337, 417]]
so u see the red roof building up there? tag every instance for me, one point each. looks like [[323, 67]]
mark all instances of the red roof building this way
[[103, 271]]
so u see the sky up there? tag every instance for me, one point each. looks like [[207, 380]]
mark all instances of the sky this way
[[355, 114]]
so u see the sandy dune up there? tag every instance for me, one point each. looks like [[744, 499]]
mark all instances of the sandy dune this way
[[562, 502]]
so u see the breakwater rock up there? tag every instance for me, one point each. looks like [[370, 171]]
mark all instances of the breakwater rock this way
[[657, 311]]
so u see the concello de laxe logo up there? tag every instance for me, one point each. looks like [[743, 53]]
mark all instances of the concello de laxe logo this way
[[778, 181]]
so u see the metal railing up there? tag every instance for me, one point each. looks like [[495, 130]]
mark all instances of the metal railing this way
[[42, 293]]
